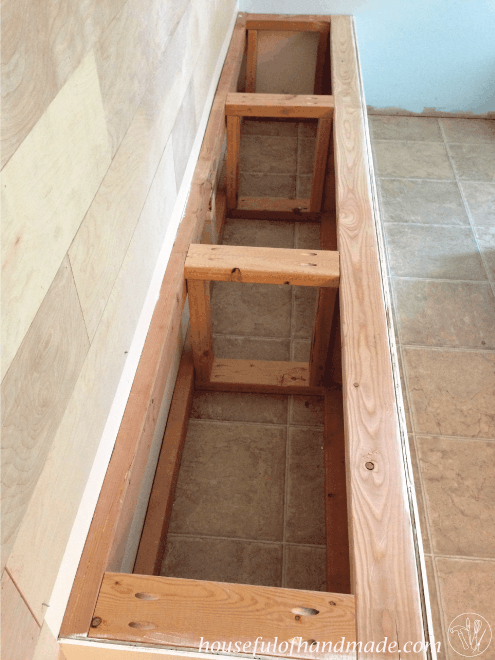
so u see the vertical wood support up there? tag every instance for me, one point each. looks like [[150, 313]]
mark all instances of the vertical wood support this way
[[200, 334], [321, 334], [232, 160], [251, 61], [320, 61], [322, 140]]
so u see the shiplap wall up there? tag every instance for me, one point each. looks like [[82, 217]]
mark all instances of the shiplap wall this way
[[101, 103]]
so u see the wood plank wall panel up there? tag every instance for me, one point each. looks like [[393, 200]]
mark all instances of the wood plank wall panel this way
[[383, 562], [102, 240], [42, 45], [127, 55], [39, 547], [47, 647], [47, 187], [20, 629], [35, 392]]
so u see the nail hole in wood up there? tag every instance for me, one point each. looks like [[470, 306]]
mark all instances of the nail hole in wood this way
[[309, 254], [308, 264], [369, 465], [95, 622], [332, 602], [142, 625], [143, 595], [305, 611]]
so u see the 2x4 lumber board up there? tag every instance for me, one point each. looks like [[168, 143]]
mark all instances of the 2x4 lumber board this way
[[262, 265], [337, 560], [288, 25], [383, 561], [260, 376], [277, 204], [220, 213], [123, 479], [328, 241], [251, 61], [322, 331], [200, 333], [320, 61], [232, 160], [152, 544], [302, 106], [185, 613], [321, 155]]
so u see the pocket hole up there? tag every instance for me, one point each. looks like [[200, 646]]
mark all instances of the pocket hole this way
[[142, 595], [305, 611], [309, 254], [142, 625], [308, 264]]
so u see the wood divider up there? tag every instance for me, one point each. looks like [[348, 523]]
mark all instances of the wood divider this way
[[122, 482]]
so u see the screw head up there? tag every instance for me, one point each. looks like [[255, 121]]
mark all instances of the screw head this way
[[369, 465], [95, 622]]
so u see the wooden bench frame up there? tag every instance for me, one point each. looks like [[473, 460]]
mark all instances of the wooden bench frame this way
[[385, 578]]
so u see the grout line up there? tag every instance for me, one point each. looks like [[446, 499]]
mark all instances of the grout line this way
[[448, 349], [465, 558], [434, 279], [243, 540], [442, 141], [431, 224], [270, 424], [461, 438], [415, 178]]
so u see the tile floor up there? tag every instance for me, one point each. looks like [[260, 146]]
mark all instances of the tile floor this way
[[249, 503], [436, 181]]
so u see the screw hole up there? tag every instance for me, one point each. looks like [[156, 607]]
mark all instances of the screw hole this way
[[305, 611], [369, 465], [143, 595], [142, 625], [308, 264]]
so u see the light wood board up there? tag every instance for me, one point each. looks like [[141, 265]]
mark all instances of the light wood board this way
[[20, 630], [302, 106]]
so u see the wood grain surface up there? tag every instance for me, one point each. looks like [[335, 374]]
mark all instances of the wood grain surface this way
[[200, 335], [20, 630], [180, 612], [303, 106], [383, 562]]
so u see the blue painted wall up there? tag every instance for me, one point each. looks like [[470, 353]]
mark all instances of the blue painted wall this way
[[415, 54]]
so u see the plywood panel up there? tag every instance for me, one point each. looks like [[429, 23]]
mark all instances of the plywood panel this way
[[20, 629], [102, 240], [47, 187], [42, 45], [127, 54], [35, 392], [40, 544], [383, 560]]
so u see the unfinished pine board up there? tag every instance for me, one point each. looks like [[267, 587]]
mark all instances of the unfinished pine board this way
[[321, 334], [383, 560], [20, 630], [200, 333], [320, 60], [273, 208], [283, 24], [152, 545], [260, 376], [232, 160], [160, 610], [302, 106], [338, 567], [149, 383], [35, 393], [238, 263], [220, 213], [321, 153], [47, 187], [251, 60]]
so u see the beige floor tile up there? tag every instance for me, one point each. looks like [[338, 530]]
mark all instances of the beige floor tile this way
[[454, 314], [467, 587], [301, 351], [435, 609], [307, 411], [307, 236], [256, 126], [452, 392], [304, 183], [305, 155], [231, 481], [419, 497], [421, 201], [308, 128], [480, 198], [305, 521], [474, 162], [250, 348], [240, 407], [223, 560], [433, 252], [261, 310], [468, 131], [306, 568], [424, 129], [486, 241], [259, 233], [421, 160], [460, 494], [304, 311], [268, 153], [252, 184]]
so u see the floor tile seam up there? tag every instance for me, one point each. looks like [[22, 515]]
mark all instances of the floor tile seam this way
[[439, 279], [461, 438], [489, 560], [248, 423], [441, 609], [470, 217], [448, 349], [443, 141], [430, 224], [417, 178], [244, 540]]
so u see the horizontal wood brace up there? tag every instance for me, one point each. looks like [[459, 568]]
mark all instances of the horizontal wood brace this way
[[303, 106], [260, 376], [288, 25], [260, 265]]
